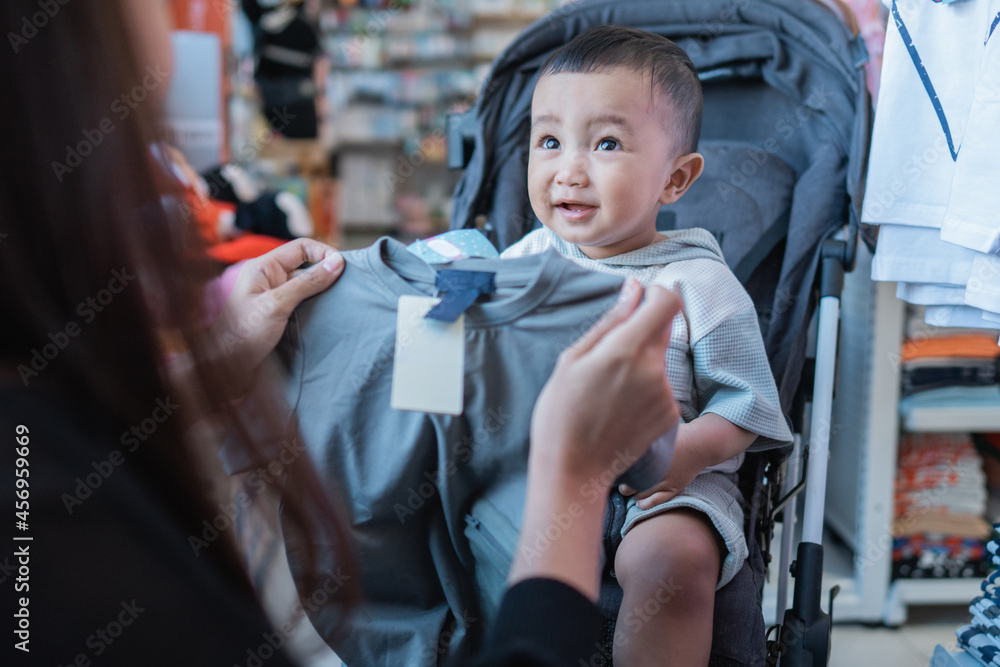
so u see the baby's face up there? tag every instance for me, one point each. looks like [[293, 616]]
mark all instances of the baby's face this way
[[600, 158]]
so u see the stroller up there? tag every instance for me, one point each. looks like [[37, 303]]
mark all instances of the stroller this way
[[787, 120]]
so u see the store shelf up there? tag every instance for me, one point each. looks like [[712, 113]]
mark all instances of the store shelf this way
[[863, 449], [507, 17], [396, 75], [944, 410], [976, 418], [906, 592]]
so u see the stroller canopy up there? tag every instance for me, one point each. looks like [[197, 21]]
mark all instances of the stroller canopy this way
[[785, 137]]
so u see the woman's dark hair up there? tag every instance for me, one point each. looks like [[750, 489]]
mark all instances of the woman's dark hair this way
[[673, 74], [80, 203]]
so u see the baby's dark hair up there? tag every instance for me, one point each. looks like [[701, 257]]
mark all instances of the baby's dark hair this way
[[608, 46]]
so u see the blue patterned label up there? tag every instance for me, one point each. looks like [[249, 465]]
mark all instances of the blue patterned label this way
[[453, 246]]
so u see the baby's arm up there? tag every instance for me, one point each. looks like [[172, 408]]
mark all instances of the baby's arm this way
[[732, 385], [705, 441]]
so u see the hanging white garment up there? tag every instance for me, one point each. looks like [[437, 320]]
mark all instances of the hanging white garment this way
[[931, 294], [983, 289], [917, 327], [973, 216], [957, 316], [924, 104], [932, 172], [918, 255]]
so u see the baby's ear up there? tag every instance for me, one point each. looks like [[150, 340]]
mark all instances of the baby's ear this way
[[686, 170]]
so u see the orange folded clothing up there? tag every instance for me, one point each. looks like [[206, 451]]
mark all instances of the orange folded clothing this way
[[968, 346], [925, 478], [922, 450]]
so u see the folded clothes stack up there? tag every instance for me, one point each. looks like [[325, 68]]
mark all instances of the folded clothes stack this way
[[940, 500], [988, 445], [949, 374], [980, 637], [955, 360]]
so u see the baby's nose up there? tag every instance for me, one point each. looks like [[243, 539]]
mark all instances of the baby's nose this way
[[573, 171]]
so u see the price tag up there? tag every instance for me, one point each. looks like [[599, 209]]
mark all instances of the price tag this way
[[429, 368]]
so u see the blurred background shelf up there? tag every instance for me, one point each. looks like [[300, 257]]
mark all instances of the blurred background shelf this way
[[396, 74], [934, 411]]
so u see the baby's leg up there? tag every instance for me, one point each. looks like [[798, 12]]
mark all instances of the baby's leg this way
[[668, 566]]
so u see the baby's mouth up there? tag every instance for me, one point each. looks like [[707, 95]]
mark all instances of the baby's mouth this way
[[575, 212], [574, 206]]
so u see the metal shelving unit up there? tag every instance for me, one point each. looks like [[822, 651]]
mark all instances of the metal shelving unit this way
[[865, 428]]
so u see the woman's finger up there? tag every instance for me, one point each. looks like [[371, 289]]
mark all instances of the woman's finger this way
[[628, 301], [291, 255], [649, 324], [657, 498], [308, 283]]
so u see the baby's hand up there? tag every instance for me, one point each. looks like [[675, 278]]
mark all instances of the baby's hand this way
[[704, 441], [684, 467]]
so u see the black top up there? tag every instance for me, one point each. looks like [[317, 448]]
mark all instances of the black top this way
[[289, 51], [543, 623], [111, 574]]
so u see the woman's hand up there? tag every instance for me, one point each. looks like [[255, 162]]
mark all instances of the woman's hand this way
[[608, 397], [267, 290], [607, 400]]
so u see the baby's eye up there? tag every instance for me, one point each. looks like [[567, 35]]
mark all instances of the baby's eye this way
[[608, 144], [549, 143]]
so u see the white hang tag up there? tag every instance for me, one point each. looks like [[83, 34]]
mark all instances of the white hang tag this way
[[429, 368]]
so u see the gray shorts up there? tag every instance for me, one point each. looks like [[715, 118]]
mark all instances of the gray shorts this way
[[715, 495]]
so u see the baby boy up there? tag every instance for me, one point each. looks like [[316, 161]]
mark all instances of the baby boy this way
[[615, 121]]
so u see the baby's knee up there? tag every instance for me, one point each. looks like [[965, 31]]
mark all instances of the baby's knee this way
[[667, 556]]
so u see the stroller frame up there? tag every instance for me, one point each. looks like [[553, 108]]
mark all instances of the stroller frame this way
[[804, 632]]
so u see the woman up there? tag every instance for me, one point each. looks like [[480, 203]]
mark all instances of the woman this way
[[113, 394], [100, 289]]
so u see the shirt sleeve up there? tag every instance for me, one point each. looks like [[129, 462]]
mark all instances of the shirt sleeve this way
[[733, 379], [542, 623]]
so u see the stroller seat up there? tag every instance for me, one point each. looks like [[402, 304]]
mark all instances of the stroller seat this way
[[748, 222]]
